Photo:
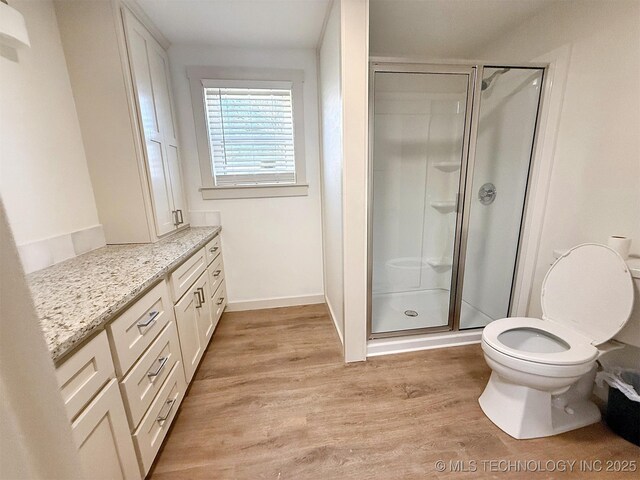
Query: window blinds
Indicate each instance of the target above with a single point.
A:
(250, 135)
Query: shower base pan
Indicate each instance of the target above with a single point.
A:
(393, 312)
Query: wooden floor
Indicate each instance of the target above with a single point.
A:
(272, 399)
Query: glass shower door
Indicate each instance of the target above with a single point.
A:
(509, 103)
(419, 125)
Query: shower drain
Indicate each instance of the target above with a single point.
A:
(411, 313)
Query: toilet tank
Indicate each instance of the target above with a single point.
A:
(630, 334)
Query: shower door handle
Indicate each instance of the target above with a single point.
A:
(487, 193)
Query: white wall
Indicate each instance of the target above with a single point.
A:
(272, 246)
(595, 182)
(331, 166)
(35, 434)
(44, 179)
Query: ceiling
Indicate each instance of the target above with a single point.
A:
(432, 28)
(443, 28)
(239, 23)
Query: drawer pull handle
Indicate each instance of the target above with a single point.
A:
(198, 300)
(217, 273)
(201, 293)
(163, 361)
(162, 418)
(153, 316)
(180, 217)
(221, 301)
(214, 249)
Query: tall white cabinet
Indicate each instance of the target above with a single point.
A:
(119, 74)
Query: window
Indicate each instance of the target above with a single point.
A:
(250, 132)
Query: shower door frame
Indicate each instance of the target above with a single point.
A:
(468, 194)
(465, 194)
(471, 71)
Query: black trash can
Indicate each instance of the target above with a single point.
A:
(623, 414)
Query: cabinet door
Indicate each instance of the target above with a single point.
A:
(188, 319)
(165, 99)
(206, 319)
(101, 433)
(150, 84)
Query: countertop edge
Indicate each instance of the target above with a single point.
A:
(70, 345)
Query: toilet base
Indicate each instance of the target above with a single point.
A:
(525, 412)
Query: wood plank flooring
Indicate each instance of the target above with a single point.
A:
(272, 399)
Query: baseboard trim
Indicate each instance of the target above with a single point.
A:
(413, 343)
(274, 303)
(333, 318)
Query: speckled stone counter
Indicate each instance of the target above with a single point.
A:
(78, 297)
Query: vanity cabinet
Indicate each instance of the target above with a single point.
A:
(119, 74)
(122, 389)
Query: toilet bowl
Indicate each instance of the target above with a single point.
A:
(543, 369)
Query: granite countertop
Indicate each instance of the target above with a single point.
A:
(80, 296)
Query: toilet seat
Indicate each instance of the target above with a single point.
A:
(587, 297)
(579, 349)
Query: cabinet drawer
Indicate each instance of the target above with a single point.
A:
(212, 249)
(219, 302)
(187, 273)
(156, 422)
(133, 331)
(144, 380)
(84, 374)
(216, 273)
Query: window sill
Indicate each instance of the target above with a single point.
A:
(255, 191)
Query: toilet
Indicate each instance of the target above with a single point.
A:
(543, 369)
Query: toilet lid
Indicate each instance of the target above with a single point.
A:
(590, 290)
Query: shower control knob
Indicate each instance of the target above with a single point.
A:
(487, 193)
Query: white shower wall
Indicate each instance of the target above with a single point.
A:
(417, 154)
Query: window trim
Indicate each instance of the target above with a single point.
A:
(199, 77)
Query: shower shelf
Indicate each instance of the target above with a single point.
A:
(439, 263)
(447, 166)
(444, 206)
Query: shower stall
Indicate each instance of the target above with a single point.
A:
(450, 156)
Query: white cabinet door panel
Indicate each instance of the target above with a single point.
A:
(187, 315)
(160, 194)
(149, 70)
(101, 433)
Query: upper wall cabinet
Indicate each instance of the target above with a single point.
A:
(119, 74)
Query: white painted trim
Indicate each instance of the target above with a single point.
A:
(275, 302)
(198, 74)
(413, 343)
(255, 191)
(333, 319)
(552, 100)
